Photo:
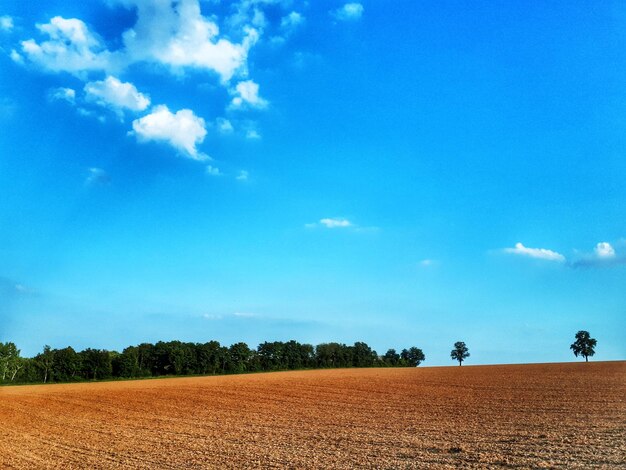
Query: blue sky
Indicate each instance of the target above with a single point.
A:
(400, 173)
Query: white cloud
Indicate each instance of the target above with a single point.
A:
(6, 23)
(176, 34)
(428, 262)
(213, 171)
(97, 176)
(211, 316)
(604, 256)
(16, 57)
(183, 130)
(335, 223)
(242, 176)
(224, 126)
(252, 134)
(539, 253)
(119, 95)
(247, 93)
(291, 21)
(63, 94)
(244, 314)
(349, 12)
(604, 250)
(71, 47)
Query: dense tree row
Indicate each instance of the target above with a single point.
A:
(178, 358)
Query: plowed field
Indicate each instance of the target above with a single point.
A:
(544, 415)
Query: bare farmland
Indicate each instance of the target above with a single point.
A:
(541, 415)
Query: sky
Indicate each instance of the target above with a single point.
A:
(401, 173)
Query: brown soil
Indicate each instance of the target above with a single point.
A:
(541, 415)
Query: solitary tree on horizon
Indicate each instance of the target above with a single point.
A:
(584, 345)
(460, 352)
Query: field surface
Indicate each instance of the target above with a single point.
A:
(526, 416)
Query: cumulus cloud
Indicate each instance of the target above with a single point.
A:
(6, 23)
(97, 177)
(71, 47)
(111, 92)
(349, 12)
(176, 37)
(63, 94)
(242, 176)
(182, 130)
(247, 94)
(173, 34)
(604, 255)
(604, 250)
(176, 34)
(539, 253)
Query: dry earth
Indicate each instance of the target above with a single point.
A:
(529, 416)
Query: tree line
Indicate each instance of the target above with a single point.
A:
(181, 358)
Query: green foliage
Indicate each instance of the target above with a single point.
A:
(10, 362)
(413, 357)
(460, 352)
(180, 358)
(66, 365)
(584, 345)
(391, 358)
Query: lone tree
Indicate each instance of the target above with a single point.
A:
(583, 345)
(460, 352)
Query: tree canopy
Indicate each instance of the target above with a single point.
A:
(584, 345)
(181, 358)
(460, 352)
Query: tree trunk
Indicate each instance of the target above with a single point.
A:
(586, 358)
(17, 368)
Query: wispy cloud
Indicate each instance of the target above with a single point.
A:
(182, 130)
(97, 177)
(538, 253)
(218, 316)
(331, 222)
(242, 175)
(291, 21)
(348, 12)
(335, 223)
(253, 134)
(6, 23)
(212, 170)
(12, 288)
(224, 126)
(603, 255)
(62, 94)
(427, 263)
(244, 314)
